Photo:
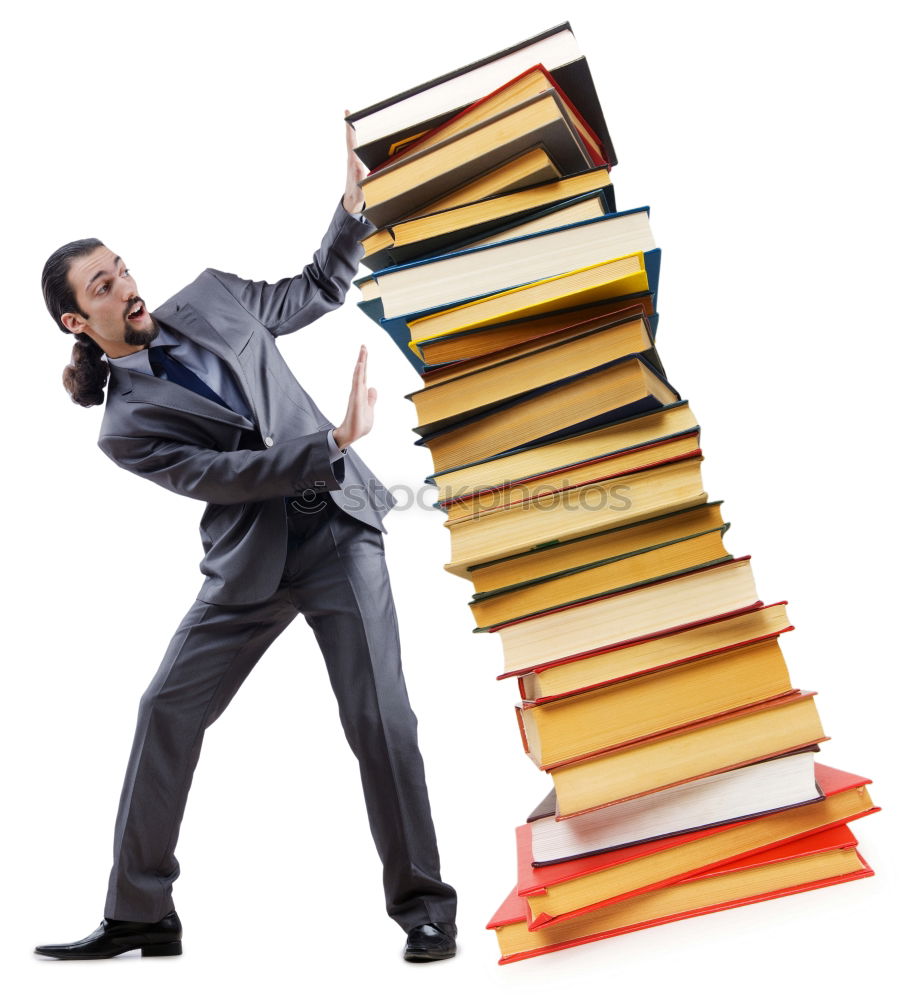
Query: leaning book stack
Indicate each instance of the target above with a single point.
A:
(653, 688)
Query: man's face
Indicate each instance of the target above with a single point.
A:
(107, 296)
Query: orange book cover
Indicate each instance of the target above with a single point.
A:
(514, 908)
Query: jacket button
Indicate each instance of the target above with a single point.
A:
(268, 441)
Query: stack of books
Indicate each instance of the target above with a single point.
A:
(653, 688)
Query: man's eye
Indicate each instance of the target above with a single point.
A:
(103, 288)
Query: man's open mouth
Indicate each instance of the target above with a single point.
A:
(137, 312)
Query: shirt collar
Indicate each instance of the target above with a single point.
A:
(140, 361)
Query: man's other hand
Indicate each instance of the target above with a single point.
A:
(358, 419)
(353, 199)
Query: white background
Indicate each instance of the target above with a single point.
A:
(777, 146)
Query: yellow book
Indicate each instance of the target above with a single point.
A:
(621, 436)
(604, 576)
(631, 658)
(654, 703)
(532, 167)
(473, 346)
(400, 189)
(452, 400)
(776, 727)
(592, 626)
(608, 280)
(597, 395)
(498, 534)
(619, 541)
(681, 446)
(486, 210)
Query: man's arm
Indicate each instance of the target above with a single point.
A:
(304, 464)
(286, 469)
(288, 305)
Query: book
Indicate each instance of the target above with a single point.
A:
(813, 862)
(590, 626)
(442, 350)
(585, 208)
(556, 893)
(519, 465)
(742, 793)
(389, 125)
(603, 576)
(520, 527)
(750, 734)
(622, 540)
(652, 704)
(426, 235)
(625, 463)
(532, 166)
(628, 275)
(436, 375)
(466, 395)
(404, 186)
(660, 651)
(574, 402)
(531, 82)
(442, 281)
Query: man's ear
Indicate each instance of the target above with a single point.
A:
(74, 322)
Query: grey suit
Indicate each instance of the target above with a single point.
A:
(265, 562)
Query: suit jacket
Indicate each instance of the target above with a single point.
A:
(243, 469)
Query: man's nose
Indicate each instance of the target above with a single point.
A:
(129, 288)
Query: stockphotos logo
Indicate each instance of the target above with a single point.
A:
(476, 499)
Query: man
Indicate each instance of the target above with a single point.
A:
(200, 401)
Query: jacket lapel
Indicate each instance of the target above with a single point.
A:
(142, 388)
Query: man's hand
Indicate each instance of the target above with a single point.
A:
(353, 198)
(358, 419)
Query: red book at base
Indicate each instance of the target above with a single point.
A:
(823, 859)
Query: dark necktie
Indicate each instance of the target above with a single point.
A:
(163, 363)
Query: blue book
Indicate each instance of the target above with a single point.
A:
(440, 282)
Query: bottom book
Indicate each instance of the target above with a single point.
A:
(813, 862)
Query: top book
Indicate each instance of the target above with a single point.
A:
(385, 128)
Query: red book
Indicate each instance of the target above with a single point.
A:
(559, 892)
(590, 139)
(822, 859)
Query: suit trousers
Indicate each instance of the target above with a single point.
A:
(335, 575)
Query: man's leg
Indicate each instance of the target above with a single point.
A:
(212, 652)
(339, 581)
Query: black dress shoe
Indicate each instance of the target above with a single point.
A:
(430, 943)
(113, 937)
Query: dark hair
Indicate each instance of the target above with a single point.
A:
(86, 376)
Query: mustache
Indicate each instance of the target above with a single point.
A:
(133, 305)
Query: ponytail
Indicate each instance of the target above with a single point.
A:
(86, 376)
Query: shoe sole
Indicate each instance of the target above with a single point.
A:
(167, 950)
(426, 956)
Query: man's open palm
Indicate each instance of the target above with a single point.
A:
(359, 414)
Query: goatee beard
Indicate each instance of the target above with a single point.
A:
(141, 338)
